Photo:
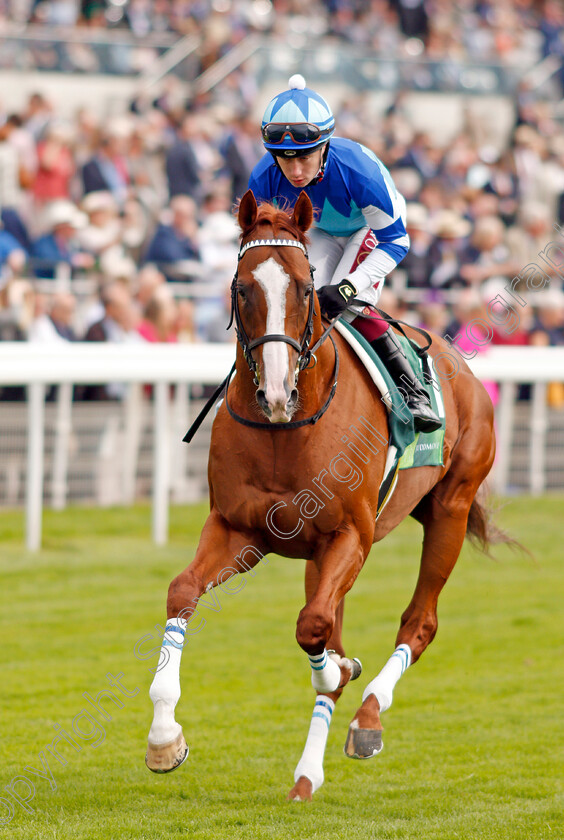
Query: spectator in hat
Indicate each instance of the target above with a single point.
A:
(102, 228)
(59, 244)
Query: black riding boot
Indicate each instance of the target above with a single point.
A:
(416, 398)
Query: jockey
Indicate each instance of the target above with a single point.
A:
(359, 235)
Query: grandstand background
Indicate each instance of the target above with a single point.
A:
(127, 132)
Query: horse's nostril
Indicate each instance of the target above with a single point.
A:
(293, 398)
(261, 399)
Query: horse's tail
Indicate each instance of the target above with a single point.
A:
(482, 530)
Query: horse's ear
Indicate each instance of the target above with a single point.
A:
(303, 212)
(247, 214)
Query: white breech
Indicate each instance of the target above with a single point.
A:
(383, 685)
(165, 688)
(333, 258)
(310, 764)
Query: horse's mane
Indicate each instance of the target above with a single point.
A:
(279, 219)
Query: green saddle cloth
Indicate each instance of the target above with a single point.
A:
(414, 449)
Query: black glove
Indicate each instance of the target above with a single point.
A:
(335, 299)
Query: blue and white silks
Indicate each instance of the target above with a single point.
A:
(356, 192)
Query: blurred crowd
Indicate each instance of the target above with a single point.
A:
(514, 34)
(517, 32)
(123, 230)
(140, 205)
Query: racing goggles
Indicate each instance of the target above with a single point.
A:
(300, 133)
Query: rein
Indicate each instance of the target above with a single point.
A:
(399, 325)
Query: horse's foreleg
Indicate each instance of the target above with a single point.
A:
(167, 748)
(308, 776)
(338, 563)
(221, 554)
(444, 534)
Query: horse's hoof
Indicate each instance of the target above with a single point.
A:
(363, 743)
(356, 669)
(302, 790)
(351, 669)
(167, 757)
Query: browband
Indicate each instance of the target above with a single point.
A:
(256, 243)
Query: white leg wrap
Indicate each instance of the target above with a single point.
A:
(165, 688)
(325, 673)
(310, 764)
(383, 685)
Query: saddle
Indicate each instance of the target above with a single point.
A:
(407, 448)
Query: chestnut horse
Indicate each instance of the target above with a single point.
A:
(270, 441)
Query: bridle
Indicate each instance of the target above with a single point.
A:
(302, 346)
(306, 354)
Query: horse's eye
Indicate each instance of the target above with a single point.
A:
(308, 291)
(241, 292)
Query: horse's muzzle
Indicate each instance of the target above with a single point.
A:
(278, 411)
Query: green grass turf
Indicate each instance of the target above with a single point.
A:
(473, 742)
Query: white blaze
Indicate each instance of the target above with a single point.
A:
(274, 282)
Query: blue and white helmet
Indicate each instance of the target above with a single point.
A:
(296, 121)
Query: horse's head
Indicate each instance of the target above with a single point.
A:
(273, 300)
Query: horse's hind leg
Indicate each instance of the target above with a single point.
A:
(444, 515)
(222, 552)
